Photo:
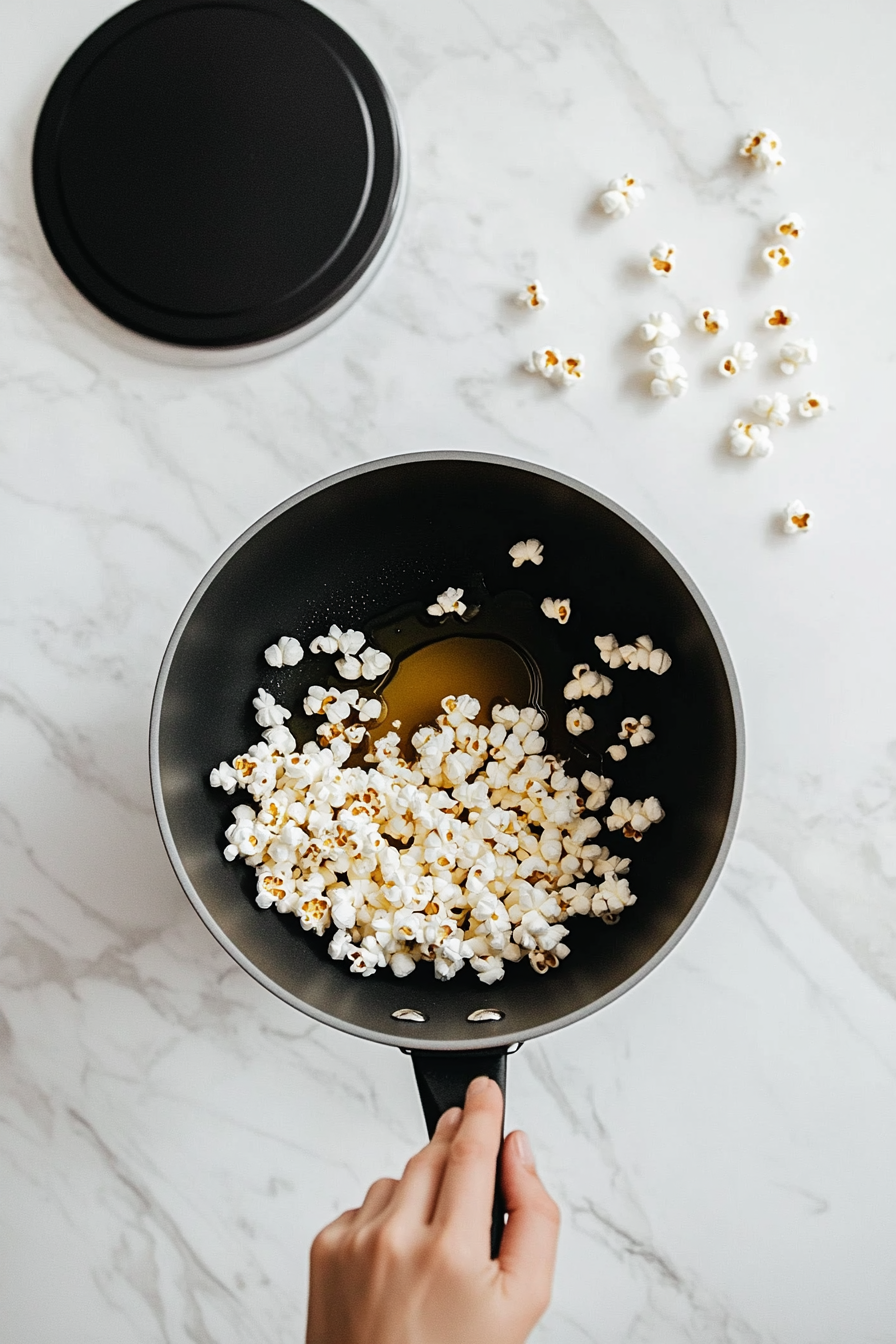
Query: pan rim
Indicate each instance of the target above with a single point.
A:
(318, 1014)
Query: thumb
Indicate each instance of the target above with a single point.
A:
(529, 1244)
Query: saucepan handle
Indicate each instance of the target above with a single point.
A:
(442, 1081)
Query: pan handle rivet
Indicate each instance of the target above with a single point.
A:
(409, 1015)
(485, 1015)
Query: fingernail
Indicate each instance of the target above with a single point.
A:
(478, 1085)
(449, 1120)
(524, 1147)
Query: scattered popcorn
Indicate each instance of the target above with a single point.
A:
(526, 550)
(268, 713)
(750, 440)
(797, 518)
(285, 653)
(621, 196)
(224, 777)
(773, 318)
(324, 644)
(636, 732)
(813, 404)
(374, 664)
(775, 409)
(557, 609)
(533, 296)
(711, 320)
(743, 356)
(634, 819)
(572, 370)
(669, 378)
(447, 602)
(545, 361)
(349, 667)
(763, 149)
(777, 258)
(617, 752)
(600, 788)
(585, 682)
(791, 226)
(659, 328)
(661, 259)
(578, 722)
(641, 654)
(796, 353)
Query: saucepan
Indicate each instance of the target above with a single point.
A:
(371, 548)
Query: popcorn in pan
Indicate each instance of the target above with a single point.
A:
(530, 550)
(557, 609)
(447, 602)
(586, 682)
(578, 722)
(287, 652)
(636, 732)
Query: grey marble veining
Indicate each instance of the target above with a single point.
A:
(720, 1139)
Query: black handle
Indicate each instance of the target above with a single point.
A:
(442, 1081)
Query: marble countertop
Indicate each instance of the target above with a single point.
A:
(721, 1138)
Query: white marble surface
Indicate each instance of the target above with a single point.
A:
(721, 1139)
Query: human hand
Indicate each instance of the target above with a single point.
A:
(413, 1264)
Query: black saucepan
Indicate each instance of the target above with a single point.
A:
(371, 548)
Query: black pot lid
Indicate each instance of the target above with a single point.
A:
(216, 173)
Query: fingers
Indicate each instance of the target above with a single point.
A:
(418, 1189)
(468, 1184)
(377, 1200)
(529, 1244)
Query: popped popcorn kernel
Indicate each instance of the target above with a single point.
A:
(790, 226)
(546, 361)
(623, 194)
(572, 370)
(661, 259)
(669, 378)
(743, 356)
(763, 149)
(712, 321)
(585, 682)
(777, 258)
(797, 518)
(659, 328)
(778, 318)
(268, 713)
(578, 722)
(812, 405)
(557, 609)
(746, 439)
(447, 602)
(532, 296)
(522, 551)
(287, 652)
(636, 732)
(775, 409)
(795, 353)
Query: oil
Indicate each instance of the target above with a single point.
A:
(492, 670)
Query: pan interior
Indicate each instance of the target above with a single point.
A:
(372, 551)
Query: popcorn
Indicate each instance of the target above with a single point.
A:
(447, 602)
(546, 361)
(285, 653)
(348, 642)
(533, 296)
(578, 722)
(349, 667)
(711, 320)
(669, 379)
(572, 370)
(813, 404)
(323, 644)
(749, 440)
(374, 664)
(557, 609)
(522, 551)
(763, 149)
(641, 654)
(797, 518)
(617, 752)
(776, 258)
(774, 318)
(659, 328)
(634, 819)
(790, 226)
(775, 409)
(796, 353)
(661, 259)
(622, 195)
(636, 732)
(743, 356)
(268, 713)
(585, 682)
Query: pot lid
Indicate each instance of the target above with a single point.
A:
(216, 173)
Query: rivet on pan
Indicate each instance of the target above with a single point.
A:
(410, 1015)
(485, 1015)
